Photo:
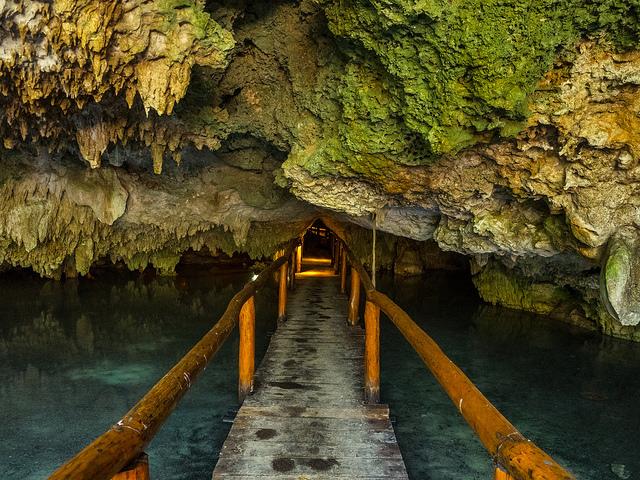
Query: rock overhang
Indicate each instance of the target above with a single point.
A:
(256, 115)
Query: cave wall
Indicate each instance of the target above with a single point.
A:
(502, 131)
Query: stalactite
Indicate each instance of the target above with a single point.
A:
(56, 58)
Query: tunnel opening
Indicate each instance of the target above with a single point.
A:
(317, 243)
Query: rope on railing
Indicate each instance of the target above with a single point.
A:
(127, 439)
(510, 450)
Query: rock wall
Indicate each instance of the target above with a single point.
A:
(505, 132)
(57, 219)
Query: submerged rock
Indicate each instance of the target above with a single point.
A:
(621, 471)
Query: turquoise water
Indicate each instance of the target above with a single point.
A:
(75, 356)
(572, 392)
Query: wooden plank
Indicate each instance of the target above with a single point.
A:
(304, 397)
(308, 372)
(373, 412)
(297, 477)
(247, 448)
(298, 382)
(264, 465)
(306, 417)
(319, 424)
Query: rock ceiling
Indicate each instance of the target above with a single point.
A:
(135, 130)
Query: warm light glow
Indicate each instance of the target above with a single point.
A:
(316, 260)
(328, 272)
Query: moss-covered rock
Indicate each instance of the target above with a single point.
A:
(620, 277)
(506, 131)
(456, 72)
(497, 286)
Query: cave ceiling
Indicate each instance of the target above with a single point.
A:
(504, 131)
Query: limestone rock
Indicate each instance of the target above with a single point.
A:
(230, 125)
(64, 64)
(620, 277)
(99, 190)
(72, 214)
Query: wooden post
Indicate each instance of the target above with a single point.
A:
(298, 265)
(336, 264)
(292, 271)
(247, 350)
(372, 353)
(137, 470)
(502, 474)
(354, 297)
(332, 241)
(343, 271)
(282, 294)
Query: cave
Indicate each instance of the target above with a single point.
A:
(392, 190)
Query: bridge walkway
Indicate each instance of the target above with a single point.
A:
(306, 418)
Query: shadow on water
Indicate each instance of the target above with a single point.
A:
(572, 392)
(75, 356)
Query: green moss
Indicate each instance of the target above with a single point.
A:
(454, 72)
(615, 277)
(165, 262)
(369, 138)
(203, 28)
(498, 286)
(617, 266)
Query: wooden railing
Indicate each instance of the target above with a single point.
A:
(514, 456)
(119, 452)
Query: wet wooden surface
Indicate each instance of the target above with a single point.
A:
(306, 418)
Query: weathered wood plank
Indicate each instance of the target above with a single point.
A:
(275, 449)
(297, 477)
(353, 466)
(373, 412)
(307, 417)
(304, 398)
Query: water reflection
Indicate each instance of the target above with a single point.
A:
(571, 391)
(74, 356)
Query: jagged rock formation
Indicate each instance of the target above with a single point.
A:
(71, 68)
(59, 219)
(505, 132)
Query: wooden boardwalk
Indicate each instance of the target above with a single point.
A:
(306, 418)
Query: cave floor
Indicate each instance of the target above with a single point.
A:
(306, 417)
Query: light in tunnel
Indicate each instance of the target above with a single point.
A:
(317, 260)
(317, 273)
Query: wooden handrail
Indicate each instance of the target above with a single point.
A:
(127, 439)
(519, 457)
